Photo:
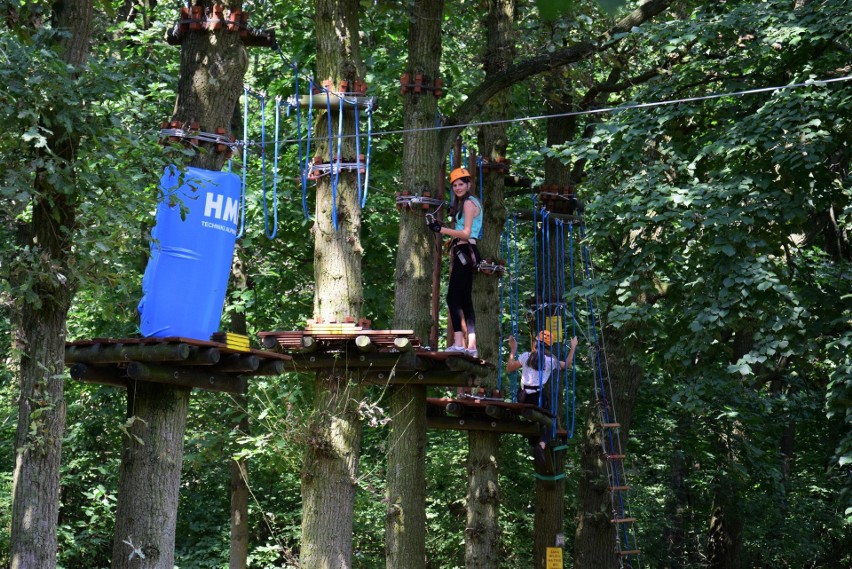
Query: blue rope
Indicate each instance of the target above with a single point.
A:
(546, 292)
(369, 144)
(504, 245)
(515, 298)
(307, 148)
(359, 197)
(271, 234)
(335, 174)
(245, 164)
(573, 333)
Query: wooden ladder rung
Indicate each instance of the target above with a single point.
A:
(629, 552)
(619, 488)
(622, 520)
(610, 425)
(614, 456)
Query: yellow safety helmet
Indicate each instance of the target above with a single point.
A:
(459, 173)
(545, 337)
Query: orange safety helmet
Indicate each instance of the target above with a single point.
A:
(545, 337)
(459, 173)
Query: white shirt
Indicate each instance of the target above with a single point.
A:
(530, 376)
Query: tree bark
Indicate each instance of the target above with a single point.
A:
(549, 522)
(149, 481)
(213, 64)
(333, 450)
(595, 544)
(482, 535)
(405, 522)
(40, 329)
(482, 532)
(239, 467)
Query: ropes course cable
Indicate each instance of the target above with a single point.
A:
(605, 110)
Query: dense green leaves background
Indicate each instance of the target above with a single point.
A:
(719, 229)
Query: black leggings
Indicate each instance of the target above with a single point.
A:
(460, 289)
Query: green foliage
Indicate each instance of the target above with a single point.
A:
(719, 231)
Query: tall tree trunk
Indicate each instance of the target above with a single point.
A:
(149, 481)
(594, 544)
(482, 534)
(331, 457)
(213, 64)
(549, 519)
(239, 500)
(40, 334)
(405, 525)
(549, 522)
(239, 467)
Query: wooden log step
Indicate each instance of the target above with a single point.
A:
(466, 424)
(535, 416)
(97, 374)
(235, 363)
(610, 425)
(629, 552)
(614, 456)
(622, 520)
(454, 409)
(119, 353)
(618, 488)
(200, 377)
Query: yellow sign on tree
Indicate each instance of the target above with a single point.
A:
(554, 558)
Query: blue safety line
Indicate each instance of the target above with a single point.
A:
(515, 298)
(339, 160)
(242, 229)
(271, 234)
(573, 333)
(330, 143)
(369, 145)
(359, 198)
(303, 162)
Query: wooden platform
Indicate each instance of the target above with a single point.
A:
(175, 361)
(381, 357)
(487, 414)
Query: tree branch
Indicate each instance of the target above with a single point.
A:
(518, 72)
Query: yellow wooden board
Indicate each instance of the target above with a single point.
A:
(554, 558)
(554, 325)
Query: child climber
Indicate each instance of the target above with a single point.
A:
(536, 369)
(465, 256)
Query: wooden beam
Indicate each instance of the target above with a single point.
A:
(535, 416)
(466, 424)
(403, 344)
(495, 412)
(309, 344)
(462, 364)
(98, 374)
(202, 356)
(188, 377)
(407, 377)
(454, 409)
(238, 363)
(405, 361)
(365, 344)
(120, 353)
